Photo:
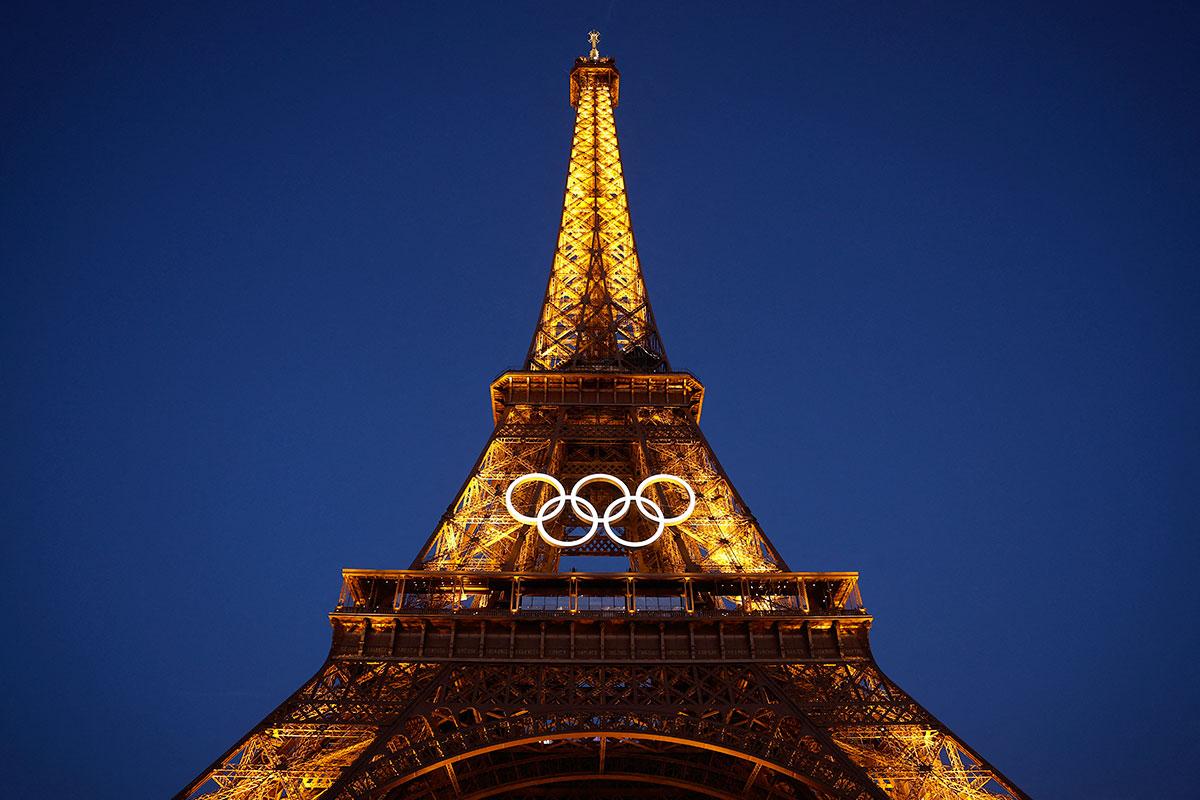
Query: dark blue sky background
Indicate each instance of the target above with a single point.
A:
(937, 266)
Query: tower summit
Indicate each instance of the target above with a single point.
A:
(596, 315)
(597, 613)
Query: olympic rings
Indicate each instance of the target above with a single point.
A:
(586, 512)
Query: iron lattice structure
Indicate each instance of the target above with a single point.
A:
(701, 667)
(596, 315)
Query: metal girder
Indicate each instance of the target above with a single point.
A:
(596, 314)
(477, 532)
(722, 709)
(302, 747)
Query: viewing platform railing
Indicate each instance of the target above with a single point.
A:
(421, 592)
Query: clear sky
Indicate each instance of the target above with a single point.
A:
(937, 265)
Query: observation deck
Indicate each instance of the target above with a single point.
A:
(601, 71)
(641, 390)
(423, 615)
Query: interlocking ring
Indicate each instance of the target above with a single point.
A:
(587, 512)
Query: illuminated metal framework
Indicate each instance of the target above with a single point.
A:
(596, 315)
(698, 666)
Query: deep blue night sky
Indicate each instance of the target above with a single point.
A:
(937, 266)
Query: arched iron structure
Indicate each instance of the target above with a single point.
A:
(700, 667)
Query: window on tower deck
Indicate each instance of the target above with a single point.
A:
(545, 602)
(611, 602)
(660, 603)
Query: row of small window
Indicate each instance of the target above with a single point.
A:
(599, 603)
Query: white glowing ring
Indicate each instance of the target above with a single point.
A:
(587, 512)
(626, 502)
(552, 508)
(533, 477)
(657, 517)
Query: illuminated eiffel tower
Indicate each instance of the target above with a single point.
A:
(564, 634)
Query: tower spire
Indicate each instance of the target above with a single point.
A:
(596, 315)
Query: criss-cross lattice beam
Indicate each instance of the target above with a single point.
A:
(903, 747)
(476, 532)
(725, 709)
(721, 535)
(596, 314)
(302, 747)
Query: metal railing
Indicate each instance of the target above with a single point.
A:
(604, 594)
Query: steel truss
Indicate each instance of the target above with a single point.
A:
(444, 702)
(570, 441)
(596, 314)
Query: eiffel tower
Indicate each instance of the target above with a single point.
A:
(601, 640)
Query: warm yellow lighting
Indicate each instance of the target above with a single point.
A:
(595, 309)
